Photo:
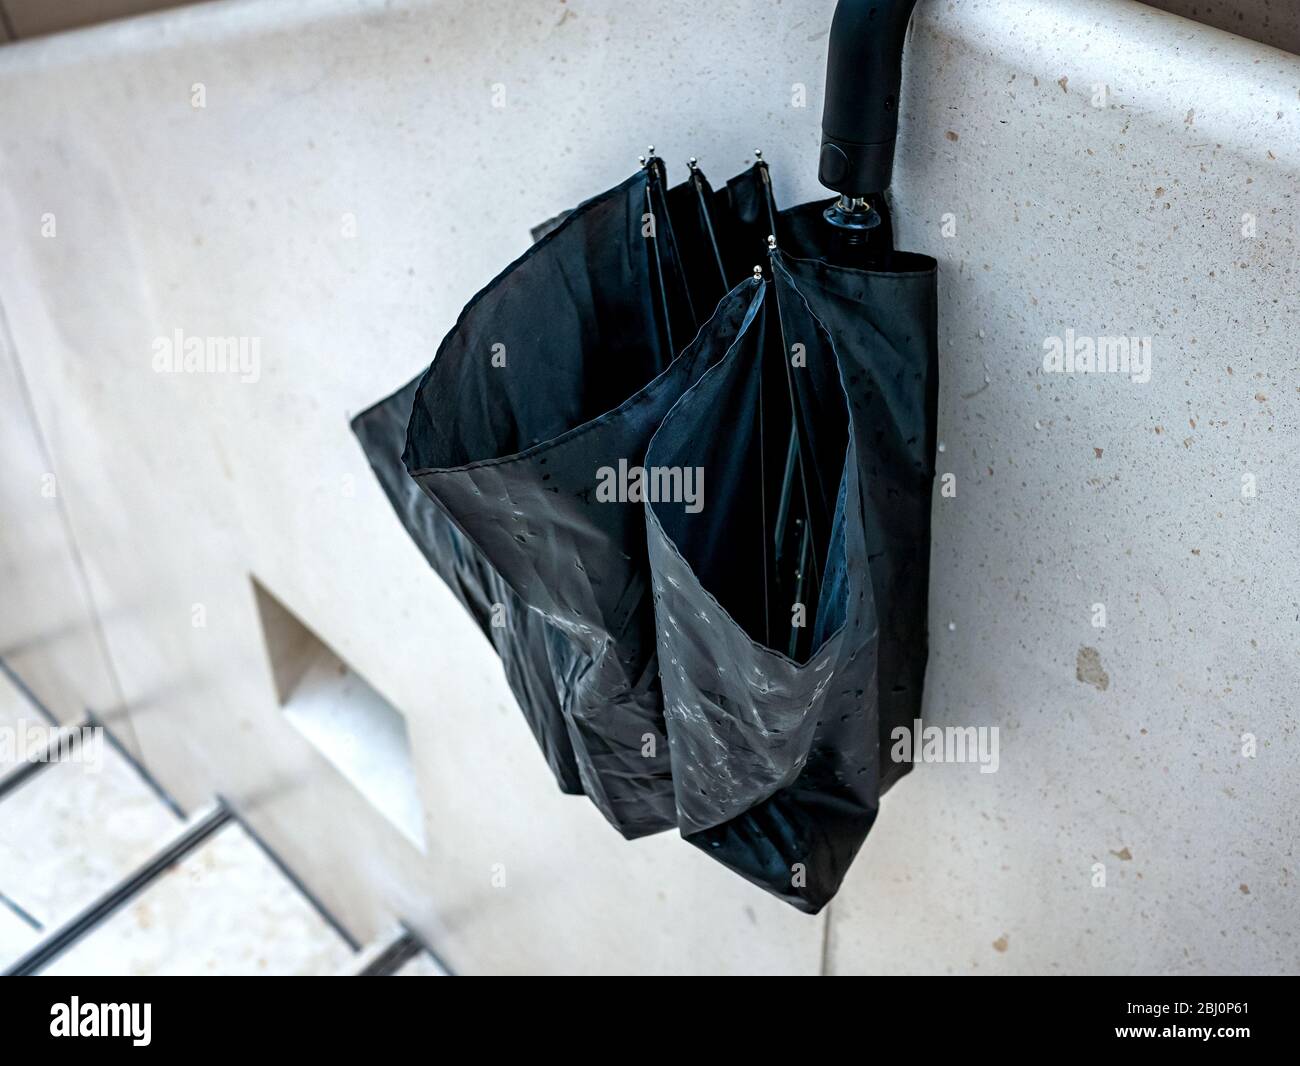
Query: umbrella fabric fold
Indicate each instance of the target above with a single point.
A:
(726, 655)
(778, 763)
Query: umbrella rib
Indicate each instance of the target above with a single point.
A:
(762, 439)
(677, 252)
(659, 269)
(762, 498)
(696, 179)
(807, 548)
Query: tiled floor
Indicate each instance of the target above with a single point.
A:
(224, 910)
(78, 827)
(72, 831)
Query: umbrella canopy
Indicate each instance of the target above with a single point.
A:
(676, 461)
(657, 646)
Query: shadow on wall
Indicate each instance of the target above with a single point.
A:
(20, 19)
(1272, 22)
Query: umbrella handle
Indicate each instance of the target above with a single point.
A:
(864, 71)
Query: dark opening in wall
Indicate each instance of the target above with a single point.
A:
(335, 709)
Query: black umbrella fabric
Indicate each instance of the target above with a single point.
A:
(688, 503)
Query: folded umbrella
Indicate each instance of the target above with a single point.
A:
(687, 499)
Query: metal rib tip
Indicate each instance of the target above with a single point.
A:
(771, 243)
(641, 159)
(693, 163)
(758, 272)
(758, 154)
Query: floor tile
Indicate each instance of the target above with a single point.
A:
(225, 910)
(73, 831)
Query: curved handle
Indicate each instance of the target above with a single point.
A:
(864, 69)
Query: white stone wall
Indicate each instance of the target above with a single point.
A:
(231, 219)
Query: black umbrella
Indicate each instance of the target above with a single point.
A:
(687, 497)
